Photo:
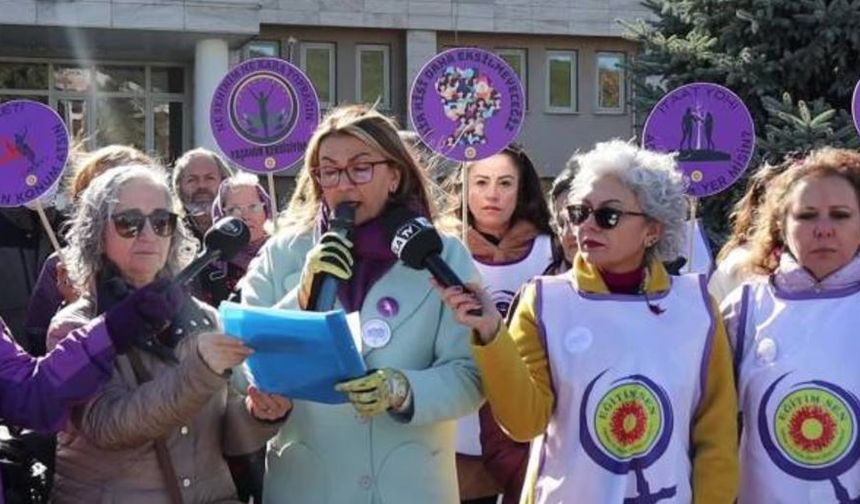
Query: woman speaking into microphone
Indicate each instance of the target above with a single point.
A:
(395, 442)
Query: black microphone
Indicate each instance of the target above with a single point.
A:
(324, 294)
(417, 243)
(221, 242)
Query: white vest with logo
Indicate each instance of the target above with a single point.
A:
(798, 386)
(627, 386)
(503, 281)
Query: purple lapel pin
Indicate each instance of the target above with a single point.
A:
(388, 307)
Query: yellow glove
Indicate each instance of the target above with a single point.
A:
(331, 255)
(378, 391)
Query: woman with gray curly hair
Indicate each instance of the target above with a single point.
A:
(158, 430)
(626, 372)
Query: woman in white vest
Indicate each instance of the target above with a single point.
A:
(795, 338)
(510, 238)
(625, 372)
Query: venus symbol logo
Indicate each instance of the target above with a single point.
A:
(812, 433)
(632, 425)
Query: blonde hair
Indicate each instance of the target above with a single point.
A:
(744, 213)
(89, 165)
(768, 238)
(376, 131)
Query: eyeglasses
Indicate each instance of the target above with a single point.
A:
(239, 210)
(130, 223)
(605, 217)
(358, 173)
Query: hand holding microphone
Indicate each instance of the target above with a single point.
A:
(328, 263)
(466, 303)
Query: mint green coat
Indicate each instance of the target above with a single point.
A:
(326, 454)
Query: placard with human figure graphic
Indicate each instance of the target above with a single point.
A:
(467, 104)
(34, 147)
(263, 114)
(711, 130)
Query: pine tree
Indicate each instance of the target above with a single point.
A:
(793, 62)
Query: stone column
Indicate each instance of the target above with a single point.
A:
(211, 58)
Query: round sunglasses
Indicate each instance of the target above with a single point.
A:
(605, 217)
(130, 223)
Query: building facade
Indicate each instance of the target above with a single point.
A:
(142, 72)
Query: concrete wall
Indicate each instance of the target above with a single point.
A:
(223, 16)
(560, 17)
(345, 63)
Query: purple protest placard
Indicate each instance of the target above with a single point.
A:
(467, 104)
(34, 147)
(711, 130)
(263, 113)
(855, 106)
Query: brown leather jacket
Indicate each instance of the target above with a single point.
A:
(106, 453)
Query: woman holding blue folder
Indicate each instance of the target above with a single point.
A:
(395, 442)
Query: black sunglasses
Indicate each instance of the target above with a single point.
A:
(605, 217)
(130, 223)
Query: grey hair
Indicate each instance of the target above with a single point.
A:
(653, 178)
(85, 255)
(182, 163)
(240, 179)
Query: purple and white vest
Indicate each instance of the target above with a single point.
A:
(627, 386)
(798, 383)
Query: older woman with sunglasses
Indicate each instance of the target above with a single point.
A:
(158, 430)
(395, 442)
(626, 373)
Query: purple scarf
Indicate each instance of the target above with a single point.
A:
(373, 258)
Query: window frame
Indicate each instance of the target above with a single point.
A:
(332, 67)
(573, 56)
(622, 83)
(385, 102)
(524, 78)
(246, 49)
(92, 96)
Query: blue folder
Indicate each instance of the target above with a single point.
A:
(298, 354)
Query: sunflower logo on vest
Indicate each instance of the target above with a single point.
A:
(264, 108)
(811, 433)
(630, 429)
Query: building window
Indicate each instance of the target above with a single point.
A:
(139, 105)
(317, 60)
(518, 60)
(561, 81)
(261, 49)
(373, 79)
(610, 82)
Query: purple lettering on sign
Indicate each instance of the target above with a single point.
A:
(34, 147)
(263, 114)
(710, 129)
(467, 104)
